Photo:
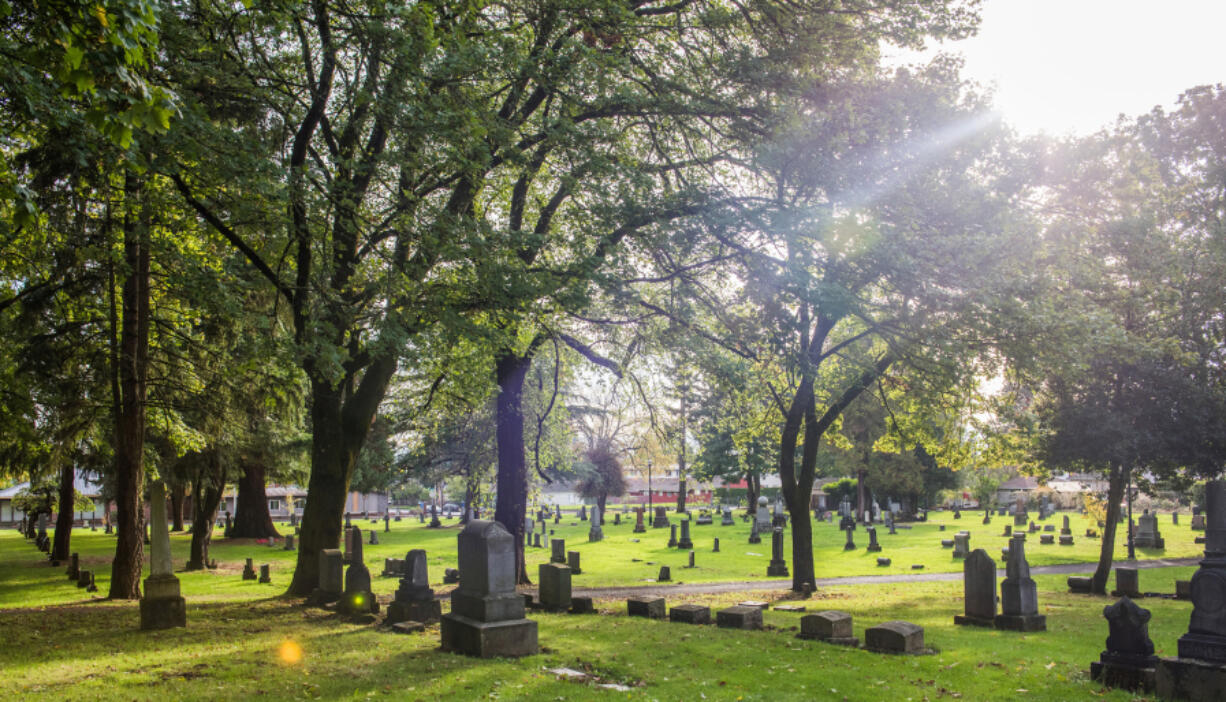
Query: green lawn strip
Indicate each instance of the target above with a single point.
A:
(617, 561)
(230, 650)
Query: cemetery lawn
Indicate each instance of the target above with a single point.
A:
(617, 561)
(264, 646)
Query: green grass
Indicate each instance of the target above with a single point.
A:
(60, 643)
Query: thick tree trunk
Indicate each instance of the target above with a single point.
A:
(862, 500)
(130, 421)
(252, 520)
(601, 500)
(754, 483)
(1117, 480)
(63, 519)
(206, 498)
(177, 493)
(510, 371)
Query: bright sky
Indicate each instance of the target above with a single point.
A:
(1072, 66)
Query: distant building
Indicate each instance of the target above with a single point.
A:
(9, 515)
(283, 498)
(1009, 490)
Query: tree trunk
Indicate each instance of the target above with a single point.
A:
(510, 371)
(133, 362)
(206, 498)
(601, 499)
(1117, 480)
(252, 519)
(63, 520)
(753, 483)
(862, 501)
(681, 462)
(177, 493)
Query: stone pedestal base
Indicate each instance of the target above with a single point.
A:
(873, 548)
(318, 597)
(510, 639)
(1138, 674)
(1189, 679)
(777, 569)
(424, 611)
(1021, 622)
(357, 603)
(1145, 542)
(965, 620)
(162, 607)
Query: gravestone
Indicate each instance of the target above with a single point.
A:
(1020, 518)
(685, 542)
(249, 569)
(289, 543)
(1175, 518)
(85, 579)
(582, 605)
(583, 513)
(595, 532)
(778, 566)
(617, 519)
(1008, 531)
(1080, 585)
(895, 637)
(1066, 540)
(374, 538)
(572, 561)
(883, 561)
(940, 527)
(487, 615)
(348, 523)
(957, 513)
(779, 518)
(978, 590)
(331, 577)
(1019, 598)
(451, 576)
(1198, 522)
(1199, 672)
(161, 607)
(762, 517)
(265, 573)
(1047, 539)
(690, 614)
(716, 548)
(691, 563)
(639, 526)
(754, 537)
(666, 575)
(962, 544)
(1129, 661)
(987, 516)
(536, 539)
(1148, 535)
(1183, 589)
(554, 582)
(434, 522)
(650, 607)
(850, 545)
(414, 599)
(558, 555)
(1049, 527)
(1034, 527)
(829, 626)
(1066, 530)
(726, 519)
(739, 617)
(660, 519)
(387, 522)
(74, 566)
(873, 546)
(1127, 583)
(672, 536)
(947, 543)
(392, 567)
(704, 518)
(357, 598)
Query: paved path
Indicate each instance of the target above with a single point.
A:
(783, 586)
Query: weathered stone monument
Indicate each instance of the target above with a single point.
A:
(594, 532)
(754, 536)
(987, 516)
(690, 614)
(162, 607)
(331, 577)
(672, 536)
(558, 552)
(583, 513)
(1127, 583)
(726, 518)
(665, 575)
(357, 598)
(1148, 535)
(739, 617)
(74, 566)
(572, 562)
(1129, 661)
(639, 526)
(829, 626)
(434, 522)
(979, 590)
(660, 519)
(778, 566)
(487, 615)
(1066, 530)
(1199, 672)
(685, 542)
(962, 544)
(1020, 518)
(762, 518)
(249, 569)
(895, 637)
(873, 546)
(265, 573)
(289, 543)
(414, 600)
(850, 545)
(1019, 599)
(554, 580)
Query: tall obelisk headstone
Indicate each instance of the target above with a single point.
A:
(162, 607)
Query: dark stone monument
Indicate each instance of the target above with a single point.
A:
(778, 566)
(1008, 531)
(739, 617)
(558, 554)
(639, 526)
(883, 561)
(357, 599)
(331, 577)
(617, 519)
(1019, 599)
(1047, 539)
(536, 539)
(754, 536)
(265, 573)
(249, 569)
(716, 549)
(873, 546)
(895, 637)
(289, 543)
(690, 614)
(979, 590)
(1020, 518)
(962, 544)
(572, 561)
(650, 607)
(1129, 661)
(595, 532)
(1080, 585)
(685, 542)
(830, 626)
(660, 520)
(1066, 530)
(582, 605)
(374, 538)
(1066, 540)
(451, 576)
(957, 513)
(672, 536)
(850, 545)
(583, 513)
(665, 575)
(74, 566)
(487, 615)
(1148, 535)
(554, 580)
(434, 522)
(726, 518)
(1127, 583)
(987, 516)
(414, 600)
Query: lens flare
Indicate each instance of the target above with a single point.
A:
(290, 653)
